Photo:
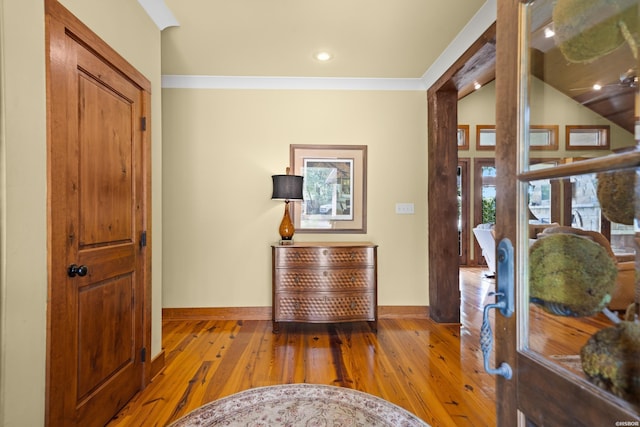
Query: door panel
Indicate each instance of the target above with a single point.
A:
(98, 209)
(105, 155)
(102, 350)
(576, 361)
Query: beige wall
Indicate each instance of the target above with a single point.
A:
(23, 251)
(221, 148)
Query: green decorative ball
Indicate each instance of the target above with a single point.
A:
(572, 272)
(611, 360)
(617, 196)
(589, 29)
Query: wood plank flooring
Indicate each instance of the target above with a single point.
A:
(432, 370)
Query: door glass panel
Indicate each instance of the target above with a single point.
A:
(585, 209)
(579, 286)
(488, 195)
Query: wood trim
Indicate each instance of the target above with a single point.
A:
(403, 312)
(94, 43)
(264, 313)
(604, 130)
(217, 313)
(457, 75)
(479, 129)
(465, 132)
(509, 66)
(147, 320)
(553, 137)
(465, 226)
(598, 164)
(478, 163)
(559, 385)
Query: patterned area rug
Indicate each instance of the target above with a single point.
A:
(300, 405)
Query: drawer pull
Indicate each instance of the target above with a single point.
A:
(352, 255)
(325, 252)
(352, 305)
(296, 305)
(296, 279)
(325, 273)
(353, 278)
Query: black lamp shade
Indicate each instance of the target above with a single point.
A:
(287, 187)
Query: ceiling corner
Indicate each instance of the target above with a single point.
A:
(159, 13)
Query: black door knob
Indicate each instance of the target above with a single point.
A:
(75, 270)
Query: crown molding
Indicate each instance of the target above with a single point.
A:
(483, 19)
(159, 13)
(291, 83)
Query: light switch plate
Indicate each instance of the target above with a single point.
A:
(404, 208)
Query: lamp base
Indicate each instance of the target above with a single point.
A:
(286, 226)
(286, 242)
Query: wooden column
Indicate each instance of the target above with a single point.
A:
(444, 291)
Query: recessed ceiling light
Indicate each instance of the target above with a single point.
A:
(597, 87)
(477, 85)
(323, 56)
(548, 32)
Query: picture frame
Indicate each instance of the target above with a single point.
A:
(463, 137)
(334, 188)
(587, 137)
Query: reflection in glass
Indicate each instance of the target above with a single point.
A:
(581, 271)
(579, 285)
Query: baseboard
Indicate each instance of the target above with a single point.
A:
(403, 312)
(264, 313)
(217, 313)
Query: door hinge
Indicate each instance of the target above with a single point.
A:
(143, 354)
(143, 123)
(143, 239)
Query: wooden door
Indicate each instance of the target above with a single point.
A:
(98, 184)
(560, 377)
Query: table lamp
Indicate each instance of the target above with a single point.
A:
(287, 187)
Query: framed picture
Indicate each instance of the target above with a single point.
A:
(463, 137)
(543, 137)
(590, 137)
(485, 137)
(334, 188)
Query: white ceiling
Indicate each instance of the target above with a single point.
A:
(371, 39)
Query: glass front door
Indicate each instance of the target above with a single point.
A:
(572, 213)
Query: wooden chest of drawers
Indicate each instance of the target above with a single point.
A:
(325, 282)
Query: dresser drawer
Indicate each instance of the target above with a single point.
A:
(323, 256)
(325, 279)
(323, 308)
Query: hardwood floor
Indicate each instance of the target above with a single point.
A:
(432, 370)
